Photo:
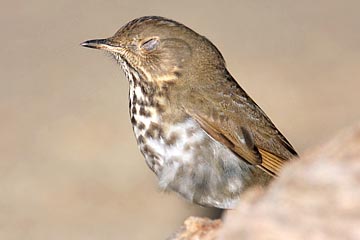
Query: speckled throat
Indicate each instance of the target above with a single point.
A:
(145, 110)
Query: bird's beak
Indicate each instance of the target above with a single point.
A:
(103, 44)
(96, 43)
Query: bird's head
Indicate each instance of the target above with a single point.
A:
(158, 49)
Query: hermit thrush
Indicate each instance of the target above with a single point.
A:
(198, 130)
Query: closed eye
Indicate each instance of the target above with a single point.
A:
(150, 44)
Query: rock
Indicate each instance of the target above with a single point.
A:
(315, 197)
(195, 228)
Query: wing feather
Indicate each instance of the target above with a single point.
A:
(232, 118)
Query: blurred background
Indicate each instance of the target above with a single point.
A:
(70, 167)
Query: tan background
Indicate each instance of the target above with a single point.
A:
(70, 168)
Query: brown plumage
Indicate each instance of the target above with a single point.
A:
(198, 130)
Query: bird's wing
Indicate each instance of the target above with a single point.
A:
(241, 142)
(246, 130)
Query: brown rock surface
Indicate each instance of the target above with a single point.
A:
(317, 197)
(195, 228)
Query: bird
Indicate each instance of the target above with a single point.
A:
(198, 130)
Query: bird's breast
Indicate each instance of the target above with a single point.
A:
(162, 140)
